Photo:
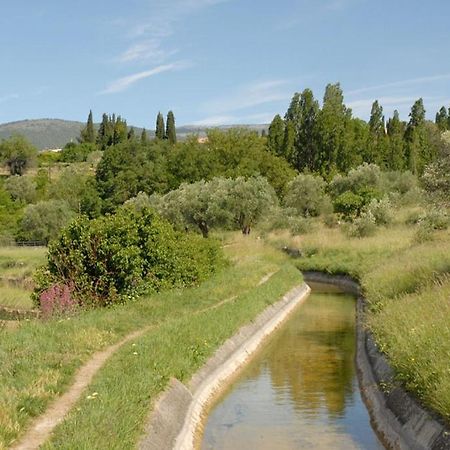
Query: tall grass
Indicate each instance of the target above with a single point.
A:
(408, 290)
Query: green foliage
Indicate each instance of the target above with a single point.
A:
(349, 204)
(275, 138)
(109, 259)
(219, 203)
(160, 129)
(306, 195)
(21, 189)
(43, 221)
(87, 134)
(17, 154)
(112, 131)
(362, 226)
(443, 119)
(129, 168)
(171, 133)
(10, 214)
(381, 210)
(77, 188)
(436, 179)
(73, 152)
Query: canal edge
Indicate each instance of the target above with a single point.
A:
(397, 417)
(179, 412)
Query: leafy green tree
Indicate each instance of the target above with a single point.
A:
(248, 200)
(436, 179)
(376, 144)
(128, 168)
(17, 154)
(88, 132)
(120, 130)
(395, 158)
(160, 131)
(21, 189)
(443, 119)
(306, 195)
(306, 145)
(289, 140)
(332, 125)
(73, 152)
(171, 133)
(275, 138)
(418, 151)
(43, 221)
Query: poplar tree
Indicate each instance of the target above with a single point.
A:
(275, 138)
(395, 157)
(443, 119)
(104, 135)
(88, 132)
(415, 138)
(159, 132)
(171, 133)
(306, 148)
(376, 143)
(131, 134)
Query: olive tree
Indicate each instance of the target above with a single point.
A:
(17, 154)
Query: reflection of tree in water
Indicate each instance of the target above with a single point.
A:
(312, 357)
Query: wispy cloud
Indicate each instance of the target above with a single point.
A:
(124, 83)
(400, 83)
(248, 96)
(146, 50)
(8, 97)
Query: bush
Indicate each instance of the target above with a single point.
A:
(43, 221)
(381, 211)
(21, 189)
(113, 258)
(435, 219)
(300, 225)
(362, 226)
(306, 195)
(366, 177)
(76, 152)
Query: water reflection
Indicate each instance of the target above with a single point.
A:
(300, 391)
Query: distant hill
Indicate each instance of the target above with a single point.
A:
(55, 133)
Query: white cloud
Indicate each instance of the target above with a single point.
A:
(248, 96)
(146, 50)
(124, 83)
(214, 121)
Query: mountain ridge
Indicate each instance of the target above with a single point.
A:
(48, 133)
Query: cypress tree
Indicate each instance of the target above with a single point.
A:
(275, 138)
(131, 134)
(159, 132)
(171, 133)
(88, 132)
(104, 134)
(144, 137)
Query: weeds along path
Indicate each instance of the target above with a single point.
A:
(41, 429)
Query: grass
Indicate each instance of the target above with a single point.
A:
(39, 359)
(17, 265)
(408, 290)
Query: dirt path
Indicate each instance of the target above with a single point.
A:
(42, 427)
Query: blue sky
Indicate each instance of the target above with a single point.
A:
(218, 61)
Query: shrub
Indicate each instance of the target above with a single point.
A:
(348, 204)
(113, 258)
(366, 177)
(435, 219)
(57, 300)
(300, 225)
(43, 221)
(306, 195)
(362, 226)
(21, 189)
(381, 211)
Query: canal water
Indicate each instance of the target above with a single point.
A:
(300, 391)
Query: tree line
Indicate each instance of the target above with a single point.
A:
(329, 140)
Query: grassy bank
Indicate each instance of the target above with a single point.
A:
(41, 357)
(408, 290)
